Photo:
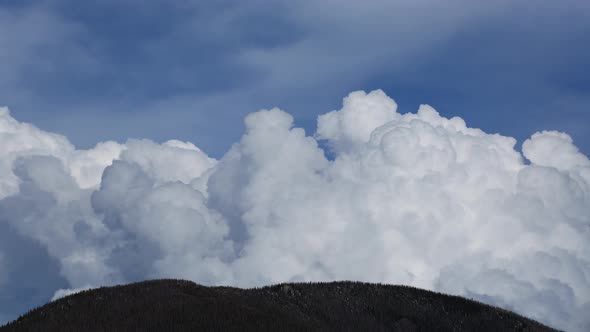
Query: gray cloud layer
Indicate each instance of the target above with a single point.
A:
(411, 198)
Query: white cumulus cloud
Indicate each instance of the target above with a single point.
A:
(411, 198)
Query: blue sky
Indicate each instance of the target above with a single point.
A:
(191, 70)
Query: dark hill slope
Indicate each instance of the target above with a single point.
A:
(175, 305)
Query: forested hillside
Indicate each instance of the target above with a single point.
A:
(177, 305)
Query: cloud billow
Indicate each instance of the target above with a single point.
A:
(411, 198)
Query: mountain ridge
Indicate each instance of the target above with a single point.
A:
(173, 304)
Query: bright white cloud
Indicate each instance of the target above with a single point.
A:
(554, 149)
(65, 292)
(410, 198)
(360, 115)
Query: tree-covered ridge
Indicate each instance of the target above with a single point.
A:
(178, 305)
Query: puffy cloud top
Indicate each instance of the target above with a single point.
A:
(360, 115)
(554, 149)
(411, 198)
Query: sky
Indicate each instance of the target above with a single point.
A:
(439, 145)
(192, 70)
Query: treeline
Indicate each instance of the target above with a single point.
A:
(178, 305)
